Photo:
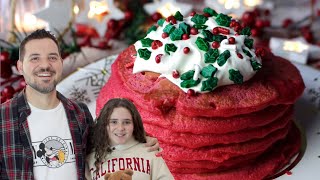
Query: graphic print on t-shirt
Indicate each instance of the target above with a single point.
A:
(53, 152)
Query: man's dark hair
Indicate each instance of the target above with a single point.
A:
(38, 34)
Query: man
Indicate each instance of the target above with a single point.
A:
(43, 134)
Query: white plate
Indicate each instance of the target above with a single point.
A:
(307, 115)
(85, 84)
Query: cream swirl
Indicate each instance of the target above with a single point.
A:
(197, 59)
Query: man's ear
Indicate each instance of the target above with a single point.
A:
(19, 66)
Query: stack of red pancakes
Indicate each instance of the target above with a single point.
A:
(243, 131)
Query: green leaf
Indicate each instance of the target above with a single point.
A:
(207, 35)
(185, 28)
(176, 34)
(146, 42)
(211, 56)
(223, 20)
(200, 26)
(246, 31)
(170, 48)
(178, 16)
(223, 57)
(187, 75)
(202, 44)
(152, 28)
(161, 21)
(208, 71)
(219, 38)
(209, 84)
(210, 11)
(169, 28)
(199, 19)
(189, 83)
(235, 76)
(249, 43)
(247, 53)
(255, 65)
(144, 53)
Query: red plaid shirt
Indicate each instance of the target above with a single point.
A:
(16, 158)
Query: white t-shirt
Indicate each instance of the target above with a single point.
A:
(52, 145)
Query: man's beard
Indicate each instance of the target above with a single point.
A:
(40, 88)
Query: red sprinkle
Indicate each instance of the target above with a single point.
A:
(239, 55)
(233, 23)
(175, 74)
(237, 28)
(156, 44)
(171, 19)
(206, 14)
(261, 52)
(193, 31)
(289, 173)
(223, 30)
(193, 13)
(186, 50)
(185, 36)
(143, 73)
(191, 92)
(129, 65)
(158, 58)
(215, 31)
(232, 40)
(164, 35)
(215, 45)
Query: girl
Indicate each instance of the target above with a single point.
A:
(117, 141)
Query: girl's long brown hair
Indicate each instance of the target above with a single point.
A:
(99, 138)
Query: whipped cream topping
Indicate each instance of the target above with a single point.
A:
(194, 56)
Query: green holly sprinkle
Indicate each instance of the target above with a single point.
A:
(160, 22)
(249, 43)
(207, 35)
(199, 19)
(146, 42)
(176, 34)
(187, 75)
(223, 57)
(144, 53)
(246, 31)
(211, 56)
(235, 76)
(170, 47)
(169, 28)
(189, 83)
(209, 84)
(152, 28)
(210, 11)
(202, 44)
(208, 71)
(255, 65)
(185, 28)
(223, 20)
(219, 38)
(178, 16)
(200, 26)
(247, 52)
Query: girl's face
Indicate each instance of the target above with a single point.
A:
(120, 127)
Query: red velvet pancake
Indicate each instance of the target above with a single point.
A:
(239, 131)
(263, 167)
(190, 140)
(278, 82)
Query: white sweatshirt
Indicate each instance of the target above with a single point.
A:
(134, 155)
